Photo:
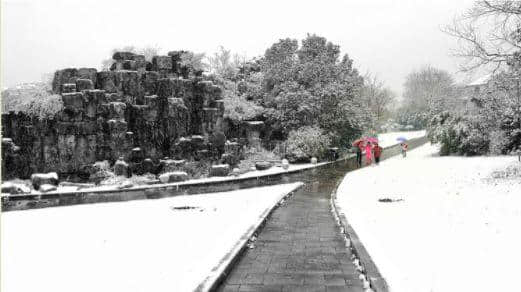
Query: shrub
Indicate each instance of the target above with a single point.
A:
(411, 120)
(498, 142)
(307, 142)
(511, 128)
(237, 108)
(459, 135)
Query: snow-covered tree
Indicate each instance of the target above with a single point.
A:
(377, 98)
(221, 63)
(427, 92)
(309, 85)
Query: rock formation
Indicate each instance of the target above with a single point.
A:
(140, 111)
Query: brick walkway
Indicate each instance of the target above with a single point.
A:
(300, 248)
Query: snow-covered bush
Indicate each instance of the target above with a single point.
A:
(237, 108)
(458, 135)
(411, 120)
(307, 142)
(474, 142)
(390, 126)
(498, 142)
(497, 110)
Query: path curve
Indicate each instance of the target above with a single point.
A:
(301, 247)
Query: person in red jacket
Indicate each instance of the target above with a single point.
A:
(377, 152)
(368, 153)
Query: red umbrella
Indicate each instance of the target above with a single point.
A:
(371, 139)
(357, 142)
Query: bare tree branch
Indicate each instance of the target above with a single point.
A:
(488, 34)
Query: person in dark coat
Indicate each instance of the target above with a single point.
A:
(377, 152)
(359, 146)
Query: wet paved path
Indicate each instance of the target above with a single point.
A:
(300, 248)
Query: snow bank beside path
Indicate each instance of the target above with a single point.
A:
(168, 244)
(453, 224)
(389, 139)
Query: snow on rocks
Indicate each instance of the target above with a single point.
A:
(285, 164)
(236, 172)
(45, 188)
(448, 220)
(14, 188)
(173, 176)
(142, 245)
(121, 168)
(125, 184)
(101, 165)
(39, 179)
(220, 170)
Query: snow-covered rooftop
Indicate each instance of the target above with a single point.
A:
(481, 80)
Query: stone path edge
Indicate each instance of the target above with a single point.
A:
(377, 282)
(226, 264)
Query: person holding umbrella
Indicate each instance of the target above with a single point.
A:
(403, 146)
(369, 149)
(359, 145)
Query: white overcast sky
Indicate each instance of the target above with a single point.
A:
(388, 38)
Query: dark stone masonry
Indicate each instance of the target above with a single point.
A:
(139, 111)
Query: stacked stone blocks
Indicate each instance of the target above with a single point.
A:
(159, 107)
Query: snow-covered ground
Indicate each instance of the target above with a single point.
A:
(389, 139)
(132, 246)
(453, 224)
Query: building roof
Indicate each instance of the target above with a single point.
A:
(481, 81)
